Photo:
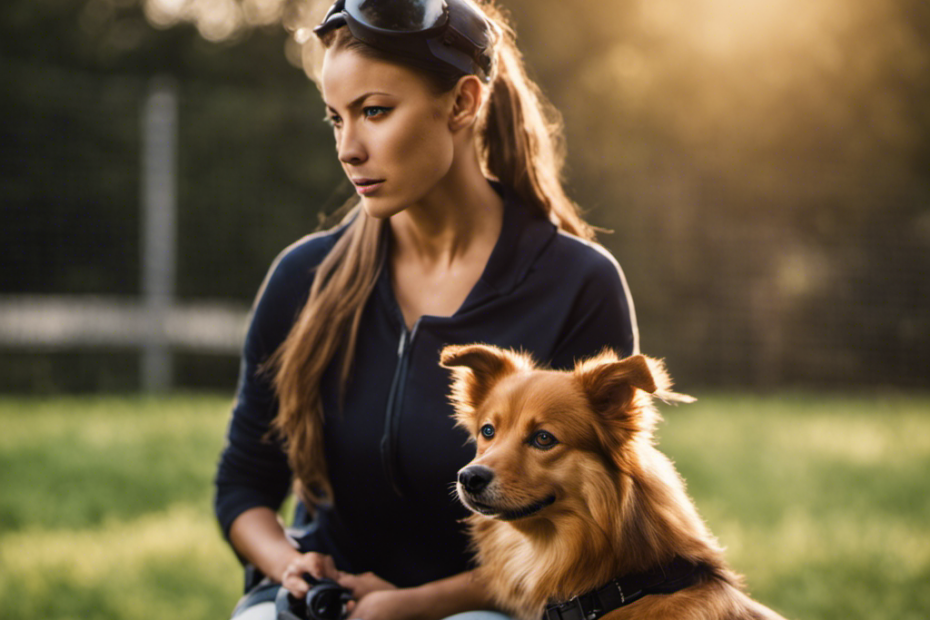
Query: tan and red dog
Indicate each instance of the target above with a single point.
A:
(577, 515)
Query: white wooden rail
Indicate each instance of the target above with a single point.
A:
(61, 322)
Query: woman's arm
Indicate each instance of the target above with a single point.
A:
(430, 601)
(253, 471)
(258, 536)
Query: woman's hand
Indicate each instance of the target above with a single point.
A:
(392, 604)
(377, 599)
(363, 584)
(319, 566)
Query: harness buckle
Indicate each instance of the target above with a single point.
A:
(563, 611)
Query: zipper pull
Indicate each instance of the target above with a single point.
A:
(403, 342)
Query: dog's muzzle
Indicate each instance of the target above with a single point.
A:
(475, 478)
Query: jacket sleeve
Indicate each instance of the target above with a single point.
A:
(253, 469)
(602, 315)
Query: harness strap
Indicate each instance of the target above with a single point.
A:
(672, 577)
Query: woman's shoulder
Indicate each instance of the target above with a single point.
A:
(579, 258)
(307, 252)
(291, 273)
(296, 263)
(284, 291)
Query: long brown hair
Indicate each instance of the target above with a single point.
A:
(520, 143)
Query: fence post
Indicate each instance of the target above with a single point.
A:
(159, 221)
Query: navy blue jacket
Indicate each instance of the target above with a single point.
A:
(393, 451)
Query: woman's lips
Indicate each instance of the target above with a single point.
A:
(367, 186)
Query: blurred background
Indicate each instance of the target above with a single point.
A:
(763, 165)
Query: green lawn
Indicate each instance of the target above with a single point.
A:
(823, 503)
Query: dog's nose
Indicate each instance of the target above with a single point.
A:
(475, 478)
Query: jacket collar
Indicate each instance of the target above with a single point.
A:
(525, 234)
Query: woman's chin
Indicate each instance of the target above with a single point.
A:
(381, 208)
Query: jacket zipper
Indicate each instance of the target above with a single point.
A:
(392, 414)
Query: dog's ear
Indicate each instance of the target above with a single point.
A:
(476, 368)
(611, 385)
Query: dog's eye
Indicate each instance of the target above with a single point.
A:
(487, 431)
(544, 440)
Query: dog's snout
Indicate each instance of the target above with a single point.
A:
(475, 478)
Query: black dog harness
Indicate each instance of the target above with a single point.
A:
(674, 576)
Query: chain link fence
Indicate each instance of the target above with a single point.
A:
(729, 300)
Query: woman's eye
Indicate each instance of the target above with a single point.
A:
(373, 111)
(333, 121)
(487, 431)
(544, 440)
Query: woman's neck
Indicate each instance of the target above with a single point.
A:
(449, 225)
(441, 246)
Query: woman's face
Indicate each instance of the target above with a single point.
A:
(392, 131)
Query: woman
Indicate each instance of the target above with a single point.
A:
(462, 233)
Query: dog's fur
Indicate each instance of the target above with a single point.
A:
(618, 506)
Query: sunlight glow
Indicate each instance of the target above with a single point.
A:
(166, 13)
(262, 12)
(722, 28)
(216, 20)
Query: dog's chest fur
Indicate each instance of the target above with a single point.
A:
(529, 568)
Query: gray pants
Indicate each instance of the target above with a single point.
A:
(266, 611)
(259, 604)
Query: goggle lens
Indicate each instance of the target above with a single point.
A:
(450, 32)
(407, 16)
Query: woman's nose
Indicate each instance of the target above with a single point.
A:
(349, 147)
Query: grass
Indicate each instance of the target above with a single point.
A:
(823, 503)
(105, 510)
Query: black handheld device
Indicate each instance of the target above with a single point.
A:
(326, 600)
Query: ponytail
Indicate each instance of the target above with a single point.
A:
(521, 140)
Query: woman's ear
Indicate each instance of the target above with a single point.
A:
(469, 94)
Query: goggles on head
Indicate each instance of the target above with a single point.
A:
(424, 32)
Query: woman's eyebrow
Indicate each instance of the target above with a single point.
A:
(358, 100)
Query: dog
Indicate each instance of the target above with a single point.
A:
(576, 513)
